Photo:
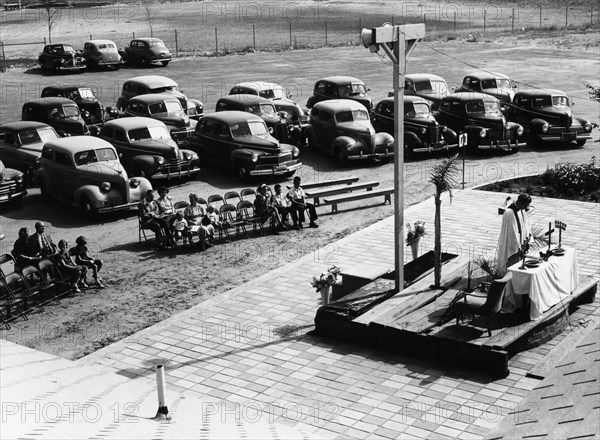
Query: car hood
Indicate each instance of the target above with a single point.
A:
(555, 112)
(502, 94)
(166, 147)
(105, 171)
(35, 149)
(429, 120)
(7, 174)
(270, 144)
(486, 120)
(171, 119)
(159, 50)
(363, 127)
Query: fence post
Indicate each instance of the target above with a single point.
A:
(176, 44)
(216, 41)
(392, 19)
(3, 56)
(454, 23)
(133, 33)
(540, 15)
(591, 14)
(91, 37)
(325, 33)
(566, 15)
(290, 28)
(253, 37)
(44, 41)
(484, 20)
(513, 20)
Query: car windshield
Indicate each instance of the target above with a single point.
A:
(550, 101)
(560, 101)
(496, 83)
(251, 128)
(41, 135)
(416, 109)
(165, 107)
(157, 43)
(106, 46)
(352, 115)
(92, 156)
(262, 109)
(490, 108)
(274, 93)
(352, 89)
(65, 112)
(153, 132)
(68, 49)
(164, 89)
(85, 93)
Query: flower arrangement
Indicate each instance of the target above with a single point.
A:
(415, 232)
(326, 279)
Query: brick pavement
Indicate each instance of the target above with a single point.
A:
(249, 345)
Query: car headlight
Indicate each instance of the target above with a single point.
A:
(443, 128)
(134, 182)
(19, 178)
(423, 130)
(390, 142)
(295, 152)
(519, 131)
(271, 131)
(545, 128)
(587, 127)
(482, 133)
(254, 158)
(105, 187)
(159, 160)
(188, 156)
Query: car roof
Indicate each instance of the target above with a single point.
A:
(533, 92)
(51, 100)
(149, 98)
(75, 144)
(340, 79)
(407, 99)
(133, 122)
(246, 98)
(152, 81)
(470, 96)
(58, 45)
(101, 42)
(147, 39)
(422, 76)
(65, 88)
(233, 116)
(337, 105)
(19, 126)
(258, 85)
(482, 74)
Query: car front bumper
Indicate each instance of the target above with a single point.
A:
(172, 173)
(565, 136)
(501, 145)
(430, 149)
(275, 170)
(114, 208)
(7, 195)
(375, 155)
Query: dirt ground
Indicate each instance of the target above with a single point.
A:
(145, 286)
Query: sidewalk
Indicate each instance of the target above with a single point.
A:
(247, 351)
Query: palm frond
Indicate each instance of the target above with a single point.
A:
(444, 175)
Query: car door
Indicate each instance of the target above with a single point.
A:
(450, 114)
(211, 145)
(10, 153)
(64, 179)
(522, 110)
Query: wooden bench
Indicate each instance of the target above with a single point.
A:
(332, 182)
(334, 201)
(316, 195)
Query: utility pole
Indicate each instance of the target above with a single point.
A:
(397, 42)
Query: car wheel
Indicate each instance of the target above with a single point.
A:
(87, 208)
(243, 172)
(28, 174)
(164, 63)
(340, 157)
(311, 140)
(44, 189)
(581, 142)
(17, 201)
(139, 172)
(289, 174)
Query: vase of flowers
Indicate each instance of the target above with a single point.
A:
(413, 236)
(323, 283)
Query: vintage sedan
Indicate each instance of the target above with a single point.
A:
(342, 129)
(425, 85)
(341, 87)
(101, 53)
(479, 116)
(422, 133)
(547, 116)
(146, 51)
(21, 144)
(165, 108)
(276, 93)
(61, 57)
(141, 85)
(279, 127)
(12, 186)
(61, 113)
(241, 141)
(146, 149)
(495, 84)
(85, 172)
(92, 110)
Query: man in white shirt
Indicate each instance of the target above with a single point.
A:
(298, 198)
(514, 231)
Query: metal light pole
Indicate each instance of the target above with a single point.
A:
(397, 42)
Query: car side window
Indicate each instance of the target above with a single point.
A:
(445, 105)
(48, 153)
(327, 117)
(62, 158)
(408, 85)
(221, 130)
(107, 132)
(467, 81)
(315, 113)
(320, 88)
(222, 106)
(330, 90)
(120, 135)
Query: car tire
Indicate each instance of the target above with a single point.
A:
(311, 141)
(340, 158)
(289, 174)
(581, 142)
(87, 208)
(44, 189)
(164, 63)
(28, 174)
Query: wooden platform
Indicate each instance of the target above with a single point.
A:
(420, 321)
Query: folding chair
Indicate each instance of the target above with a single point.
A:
(248, 193)
(246, 212)
(216, 201)
(55, 284)
(37, 282)
(4, 259)
(180, 206)
(232, 197)
(7, 301)
(202, 202)
(142, 231)
(229, 220)
(19, 289)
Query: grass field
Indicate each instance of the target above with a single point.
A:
(232, 26)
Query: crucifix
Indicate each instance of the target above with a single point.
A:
(524, 249)
(561, 226)
(549, 234)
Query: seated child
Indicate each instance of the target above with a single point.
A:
(181, 229)
(69, 270)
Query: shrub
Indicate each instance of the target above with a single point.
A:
(572, 179)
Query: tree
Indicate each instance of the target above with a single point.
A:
(149, 17)
(444, 178)
(52, 16)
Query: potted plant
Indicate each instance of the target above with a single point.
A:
(323, 283)
(413, 236)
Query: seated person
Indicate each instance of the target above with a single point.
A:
(194, 214)
(212, 221)
(80, 252)
(69, 270)
(22, 251)
(41, 243)
(298, 198)
(151, 219)
(166, 209)
(181, 229)
(283, 205)
(264, 210)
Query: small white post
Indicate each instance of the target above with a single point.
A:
(163, 411)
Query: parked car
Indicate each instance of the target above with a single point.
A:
(547, 116)
(141, 85)
(342, 129)
(480, 116)
(165, 108)
(341, 87)
(61, 57)
(21, 144)
(61, 113)
(495, 84)
(278, 125)
(12, 186)
(425, 85)
(146, 51)
(92, 110)
(85, 172)
(101, 53)
(241, 141)
(146, 149)
(277, 94)
(422, 133)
